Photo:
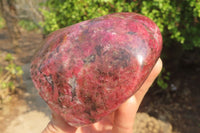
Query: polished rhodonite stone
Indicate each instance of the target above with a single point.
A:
(85, 71)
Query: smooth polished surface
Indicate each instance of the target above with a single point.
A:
(85, 71)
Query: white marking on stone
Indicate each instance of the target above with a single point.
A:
(140, 59)
(114, 33)
(73, 84)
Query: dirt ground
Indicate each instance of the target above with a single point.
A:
(179, 105)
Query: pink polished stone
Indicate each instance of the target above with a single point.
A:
(85, 71)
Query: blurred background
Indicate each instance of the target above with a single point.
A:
(172, 105)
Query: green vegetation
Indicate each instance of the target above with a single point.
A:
(28, 25)
(163, 79)
(9, 75)
(62, 13)
(177, 20)
(2, 22)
